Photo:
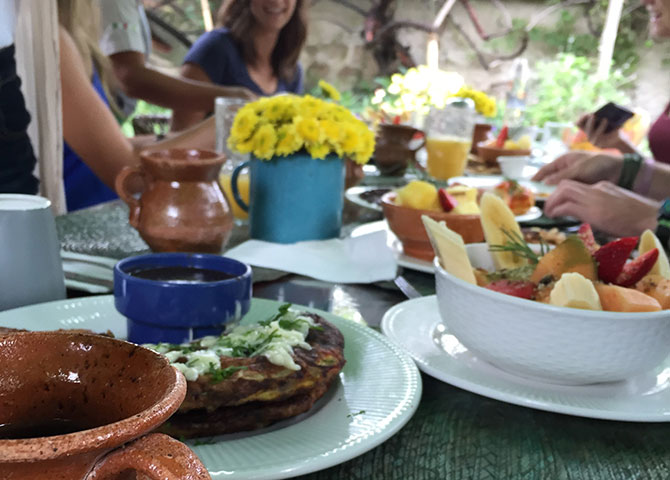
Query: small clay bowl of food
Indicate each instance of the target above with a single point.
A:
(403, 210)
(489, 154)
(176, 297)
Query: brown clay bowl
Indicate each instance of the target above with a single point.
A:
(405, 223)
(69, 399)
(489, 155)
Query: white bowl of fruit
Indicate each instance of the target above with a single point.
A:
(577, 314)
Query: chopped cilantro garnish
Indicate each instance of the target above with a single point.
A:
(220, 374)
(283, 310)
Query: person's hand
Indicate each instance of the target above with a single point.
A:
(594, 128)
(585, 167)
(607, 207)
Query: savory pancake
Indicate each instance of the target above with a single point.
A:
(255, 392)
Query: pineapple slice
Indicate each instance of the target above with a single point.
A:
(575, 291)
(450, 248)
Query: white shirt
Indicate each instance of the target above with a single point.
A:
(124, 27)
(8, 11)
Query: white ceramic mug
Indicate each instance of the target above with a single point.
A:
(31, 270)
(512, 166)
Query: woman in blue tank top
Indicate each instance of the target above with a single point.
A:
(256, 46)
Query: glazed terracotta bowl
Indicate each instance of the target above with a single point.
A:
(405, 223)
(489, 155)
(548, 343)
(69, 400)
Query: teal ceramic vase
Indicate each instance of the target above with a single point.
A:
(293, 198)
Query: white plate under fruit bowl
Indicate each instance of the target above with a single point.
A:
(377, 392)
(416, 326)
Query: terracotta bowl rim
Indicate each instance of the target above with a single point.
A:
(386, 201)
(105, 436)
(200, 156)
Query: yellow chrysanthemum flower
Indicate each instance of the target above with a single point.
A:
(308, 129)
(318, 150)
(264, 141)
(288, 140)
(329, 91)
(331, 130)
(244, 124)
(349, 139)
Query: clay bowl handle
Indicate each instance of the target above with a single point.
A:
(156, 456)
(121, 187)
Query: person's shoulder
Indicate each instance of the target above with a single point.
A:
(220, 37)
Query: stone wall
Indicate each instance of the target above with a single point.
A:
(335, 49)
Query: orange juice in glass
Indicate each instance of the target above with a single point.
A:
(449, 137)
(242, 185)
(447, 156)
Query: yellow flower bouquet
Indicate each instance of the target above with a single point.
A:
(420, 88)
(286, 124)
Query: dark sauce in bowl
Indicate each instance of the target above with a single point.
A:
(180, 274)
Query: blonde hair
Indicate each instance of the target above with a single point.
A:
(81, 18)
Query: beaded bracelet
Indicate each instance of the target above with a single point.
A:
(631, 166)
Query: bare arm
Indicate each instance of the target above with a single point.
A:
(139, 81)
(92, 131)
(88, 125)
(185, 117)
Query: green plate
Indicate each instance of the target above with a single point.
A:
(377, 392)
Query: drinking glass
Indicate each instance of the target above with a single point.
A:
(31, 270)
(448, 139)
(225, 110)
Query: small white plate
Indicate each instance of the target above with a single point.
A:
(353, 194)
(416, 326)
(377, 392)
(489, 181)
(395, 245)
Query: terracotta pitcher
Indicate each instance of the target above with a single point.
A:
(392, 151)
(182, 207)
(78, 406)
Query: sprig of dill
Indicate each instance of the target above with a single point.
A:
(516, 245)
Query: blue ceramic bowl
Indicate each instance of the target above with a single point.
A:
(175, 312)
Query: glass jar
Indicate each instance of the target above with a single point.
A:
(225, 110)
(449, 138)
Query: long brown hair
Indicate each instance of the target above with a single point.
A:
(81, 19)
(236, 16)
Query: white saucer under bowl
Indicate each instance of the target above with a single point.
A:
(416, 326)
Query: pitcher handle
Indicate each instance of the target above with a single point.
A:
(414, 150)
(121, 187)
(235, 189)
(157, 456)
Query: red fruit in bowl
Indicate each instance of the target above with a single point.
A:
(516, 288)
(586, 234)
(634, 270)
(612, 257)
(448, 202)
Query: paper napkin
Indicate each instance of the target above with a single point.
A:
(362, 259)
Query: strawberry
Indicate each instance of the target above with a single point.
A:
(586, 234)
(612, 257)
(502, 136)
(634, 270)
(447, 201)
(516, 288)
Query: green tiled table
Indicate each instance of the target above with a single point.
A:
(454, 434)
